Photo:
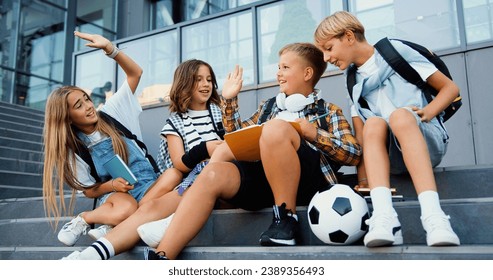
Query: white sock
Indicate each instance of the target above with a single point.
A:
(102, 249)
(381, 199)
(429, 203)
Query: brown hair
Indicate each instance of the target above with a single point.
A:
(336, 26)
(311, 54)
(184, 83)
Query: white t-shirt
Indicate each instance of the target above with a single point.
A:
(125, 108)
(378, 100)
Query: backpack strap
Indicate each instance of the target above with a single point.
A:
(82, 151)
(320, 111)
(125, 132)
(217, 121)
(267, 110)
(402, 67)
(350, 82)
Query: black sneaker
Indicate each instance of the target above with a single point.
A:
(282, 231)
(151, 255)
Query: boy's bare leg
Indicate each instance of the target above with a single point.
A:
(279, 143)
(375, 153)
(414, 150)
(217, 180)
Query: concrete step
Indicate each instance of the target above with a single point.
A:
(14, 192)
(35, 121)
(21, 127)
(21, 144)
(321, 252)
(29, 166)
(21, 154)
(19, 110)
(472, 219)
(21, 135)
(21, 179)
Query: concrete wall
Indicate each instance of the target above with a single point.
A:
(470, 130)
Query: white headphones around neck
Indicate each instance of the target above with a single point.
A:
(293, 103)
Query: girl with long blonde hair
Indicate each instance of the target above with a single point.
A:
(72, 124)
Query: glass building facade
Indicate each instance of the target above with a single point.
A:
(38, 51)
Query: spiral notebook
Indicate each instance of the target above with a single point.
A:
(117, 168)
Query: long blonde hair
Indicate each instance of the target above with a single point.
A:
(60, 144)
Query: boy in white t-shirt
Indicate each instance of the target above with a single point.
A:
(400, 131)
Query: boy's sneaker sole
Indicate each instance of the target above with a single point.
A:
(386, 241)
(267, 241)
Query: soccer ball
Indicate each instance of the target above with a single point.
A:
(337, 216)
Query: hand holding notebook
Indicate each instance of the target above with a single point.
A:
(117, 168)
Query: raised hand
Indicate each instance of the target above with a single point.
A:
(233, 83)
(96, 41)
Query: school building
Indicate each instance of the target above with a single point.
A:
(38, 52)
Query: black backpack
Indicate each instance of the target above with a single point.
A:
(83, 152)
(402, 67)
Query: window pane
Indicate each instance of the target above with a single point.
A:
(431, 23)
(33, 92)
(200, 8)
(158, 57)
(478, 17)
(287, 22)
(222, 43)
(6, 87)
(8, 32)
(164, 13)
(94, 72)
(100, 13)
(42, 41)
(62, 3)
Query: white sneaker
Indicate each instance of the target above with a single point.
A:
(385, 229)
(73, 256)
(99, 232)
(71, 231)
(152, 233)
(438, 230)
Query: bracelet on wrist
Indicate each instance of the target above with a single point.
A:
(362, 180)
(113, 186)
(113, 53)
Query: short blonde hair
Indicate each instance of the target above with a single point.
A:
(336, 25)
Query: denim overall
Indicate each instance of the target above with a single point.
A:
(102, 151)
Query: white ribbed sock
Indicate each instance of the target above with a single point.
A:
(429, 203)
(102, 249)
(381, 199)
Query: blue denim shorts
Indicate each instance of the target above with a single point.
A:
(138, 193)
(436, 139)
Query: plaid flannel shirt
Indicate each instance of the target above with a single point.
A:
(337, 145)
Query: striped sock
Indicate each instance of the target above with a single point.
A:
(102, 249)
